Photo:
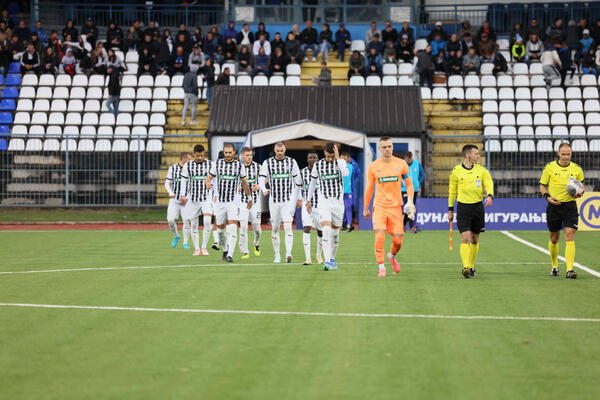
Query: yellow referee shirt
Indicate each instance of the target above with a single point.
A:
(468, 184)
(556, 178)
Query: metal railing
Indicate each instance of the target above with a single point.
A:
(104, 177)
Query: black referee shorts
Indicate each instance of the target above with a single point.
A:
(564, 215)
(470, 217)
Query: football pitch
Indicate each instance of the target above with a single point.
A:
(122, 315)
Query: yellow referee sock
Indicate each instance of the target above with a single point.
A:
(474, 249)
(570, 254)
(553, 248)
(464, 254)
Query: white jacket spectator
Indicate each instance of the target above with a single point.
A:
(550, 57)
(258, 44)
(534, 48)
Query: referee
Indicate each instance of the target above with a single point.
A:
(561, 211)
(467, 182)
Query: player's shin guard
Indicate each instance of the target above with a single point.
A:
(306, 244)
(195, 236)
(473, 250)
(465, 253)
(327, 242)
(186, 230)
(335, 241)
(206, 231)
(553, 248)
(275, 240)
(379, 250)
(173, 227)
(244, 236)
(570, 254)
(257, 232)
(289, 238)
(222, 238)
(396, 245)
(231, 239)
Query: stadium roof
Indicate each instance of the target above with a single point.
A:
(377, 111)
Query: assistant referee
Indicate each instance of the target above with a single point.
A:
(468, 181)
(561, 211)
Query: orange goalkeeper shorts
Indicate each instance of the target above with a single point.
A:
(389, 219)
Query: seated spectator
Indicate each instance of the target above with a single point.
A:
(15, 47)
(595, 31)
(376, 44)
(487, 30)
(37, 44)
(210, 49)
(114, 36)
(263, 43)
(588, 63)
(500, 63)
(466, 28)
(98, 60)
(372, 31)
(277, 42)
(147, 63)
(186, 43)
(208, 74)
(357, 64)
(196, 58)
(325, 41)
(244, 37)
(168, 39)
(22, 32)
(342, 42)
(69, 30)
(278, 61)
(535, 29)
(229, 32)
(309, 39)
(408, 31)
(148, 43)
(437, 44)
(41, 32)
(68, 62)
(229, 49)
(5, 59)
(425, 66)
(471, 62)
(183, 31)
(164, 55)
(244, 59)
(293, 50)
(262, 63)
(389, 54)
(261, 31)
(374, 63)
(224, 77)
(389, 33)
(453, 45)
(405, 49)
(114, 62)
(197, 39)
(556, 32)
(516, 30)
(518, 50)
(5, 32)
(216, 34)
(533, 49)
(152, 30)
(178, 62)
(586, 42)
(6, 18)
(325, 75)
(487, 48)
(296, 32)
(70, 43)
(467, 43)
(132, 38)
(30, 61)
(440, 62)
(54, 42)
(438, 30)
(455, 62)
(90, 31)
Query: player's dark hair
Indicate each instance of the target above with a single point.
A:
(467, 148)
(329, 147)
(345, 151)
(408, 154)
(384, 138)
(312, 152)
(245, 149)
(198, 148)
(564, 144)
(229, 145)
(279, 144)
(184, 154)
(398, 154)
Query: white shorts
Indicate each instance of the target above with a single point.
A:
(174, 210)
(331, 210)
(227, 212)
(311, 219)
(281, 212)
(193, 209)
(253, 215)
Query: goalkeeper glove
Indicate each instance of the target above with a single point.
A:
(410, 209)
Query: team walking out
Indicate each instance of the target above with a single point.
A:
(227, 191)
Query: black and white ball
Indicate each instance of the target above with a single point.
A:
(575, 188)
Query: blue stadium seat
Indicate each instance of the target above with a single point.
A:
(13, 80)
(7, 105)
(3, 145)
(14, 68)
(6, 118)
(11, 93)
(4, 130)
(1, 79)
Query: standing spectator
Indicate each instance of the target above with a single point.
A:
(6, 18)
(500, 63)
(261, 31)
(357, 64)
(566, 62)
(533, 49)
(588, 63)
(371, 32)
(190, 89)
(263, 43)
(68, 62)
(389, 54)
(163, 56)
(487, 30)
(325, 41)
(325, 75)
(455, 62)
(374, 63)
(487, 48)
(535, 29)
(376, 44)
(437, 44)
(572, 38)
(408, 31)
(438, 30)
(22, 32)
(230, 32)
(278, 61)
(41, 32)
(244, 60)
(69, 30)
(293, 49)
(147, 63)
(556, 32)
(342, 42)
(550, 66)
(90, 31)
(309, 39)
(425, 66)
(224, 77)
(277, 42)
(114, 36)
(262, 63)
(178, 62)
(417, 176)
(245, 37)
(471, 62)
(405, 49)
(518, 50)
(440, 62)
(5, 59)
(348, 201)
(114, 91)
(229, 49)
(389, 33)
(209, 78)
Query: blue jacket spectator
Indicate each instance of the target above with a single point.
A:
(416, 171)
(374, 63)
(437, 44)
(376, 44)
(230, 31)
(42, 35)
(586, 41)
(342, 41)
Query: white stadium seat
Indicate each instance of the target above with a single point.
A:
(124, 119)
(141, 106)
(520, 69)
(96, 80)
(558, 119)
(389, 81)
(523, 106)
(45, 92)
(292, 81)
(22, 117)
(58, 105)
(592, 106)
(522, 93)
(162, 81)
(156, 131)
(471, 81)
(154, 145)
(140, 119)
(127, 93)
(160, 93)
(122, 132)
(107, 119)
(102, 145)
(574, 106)
(572, 93)
(157, 119)
(120, 145)
(526, 131)
(491, 130)
(94, 93)
(506, 93)
(405, 81)
(93, 105)
(85, 145)
(159, 106)
(132, 69)
(373, 80)
(505, 81)
(75, 105)
(439, 93)
(54, 130)
(80, 80)
(425, 93)
(137, 145)
(576, 119)
(588, 80)
(292, 69)
(140, 131)
(489, 106)
(18, 130)
(34, 145)
(542, 131)
(405, 69)
(277, 80)
(490, 119)
(358, 45)
(260, 80)
(144, 93)
(29, 80)
(390, 69)
(579, 145)
(577, 130)
(473, 93)
(557, 93)
(524, 119)
(420, 44)
(489, 93)
(131, 57)
(73, 118)
(507, 119)
(592, 118)
(488, 81)
(39, 118)
(560, 131)
(455, 81)
(176, 93)
(357, 80)
(63, 80)
(129, 81)
(593, 131)
(46, 80)
(590, 93)
(51, 145)
(68, 145)
(508, 131)
(541, 119)
(36, 130)
(456, 93)
(105, 131)
(42, 105)
(506, 106)
(90, 119)
(77, 93)
(25, 105)
(88, 131)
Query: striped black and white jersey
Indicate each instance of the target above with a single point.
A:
(283, 176)
(252, 172)
(173, 180)
(330, 178)
(195, 175)
(305, 172)
(229, 175)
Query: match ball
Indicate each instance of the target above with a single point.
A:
(575, 188)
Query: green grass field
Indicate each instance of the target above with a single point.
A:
(54, 353)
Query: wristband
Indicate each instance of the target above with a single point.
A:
(491, 196)
(546, 195)
(451, 209)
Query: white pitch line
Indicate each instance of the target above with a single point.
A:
(301, 313)
(236, 265)
(545, 251)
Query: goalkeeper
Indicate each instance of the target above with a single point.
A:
(386, 174)
(467, 182)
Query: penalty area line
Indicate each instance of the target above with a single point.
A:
(545, 251)
(301, 313)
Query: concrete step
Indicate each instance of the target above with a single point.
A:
(454, 148)
(334, 82)
(453, 113)
(455, 126)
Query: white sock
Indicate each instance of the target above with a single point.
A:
(289, 238)
(216, 238)
(244, 236)
(186, 230)
(327, 242)
(257, 232)
(306, 243)
(320, 244)
(381, 266)
(173, 227)
(195, 237)
(206, 231)
(231, 239)
(335, 241)
(276, 240)
(222, 238)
